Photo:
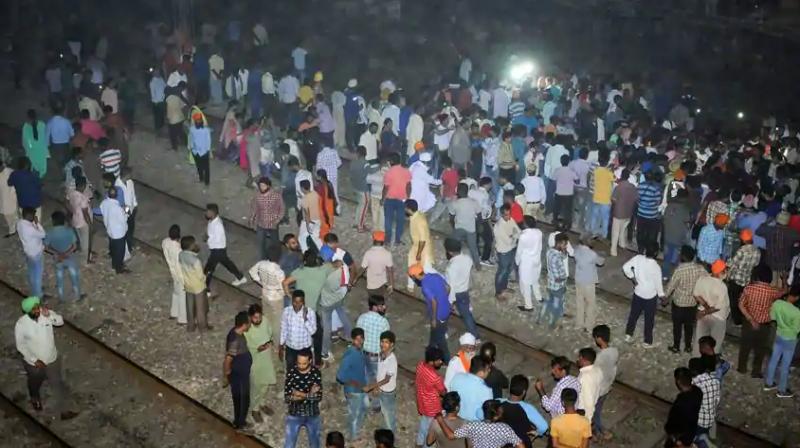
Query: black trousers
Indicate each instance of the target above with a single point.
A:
(563, 210)
(117, 249)
(220, 256)
(683, 318)
(639, 306)
(203, 168)
(316, 339)
(240, 392)
(485, 236)
(131, 229)
(734, 292)
(175, 135)
(647, 231)
(756, 341)
(159, 111)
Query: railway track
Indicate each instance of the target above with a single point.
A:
(635, 405)
(20, 428)
(120, 403)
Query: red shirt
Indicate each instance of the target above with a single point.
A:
(430, 387)
(449, 182)
(757, 298)
(794, 222)
(396, 179)
(92, 129)
(516, 213)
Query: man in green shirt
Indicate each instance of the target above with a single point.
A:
(310, 279)
(786, 314)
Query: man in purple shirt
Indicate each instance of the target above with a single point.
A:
(436, 293)
(581, 167)
(565, 191)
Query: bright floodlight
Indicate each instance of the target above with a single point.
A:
(521, 70)
(740, 115)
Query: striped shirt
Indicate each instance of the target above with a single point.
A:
(649, 200)
(516, 109)
(552, 403)
(373, 324)
(111, 161)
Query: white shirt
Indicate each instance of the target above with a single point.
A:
(288, 87)
(388, 366)
(175, 78)
(34, 338)
(465, 69)
(484, 99)
(391, 112)
(421, 180)
(270, 275)
(32, 237)
(216, 234)
(216, 64)
(414, 132)
(534, 189)
(529, 247)
(591, 380)
(553, 159)
(606, 361)
(647, 274)
(454, 367)
(457, 274)
(171, 250)
(157, 85)
(114, 218)
(130, 193)
(267, 84)
(369, 141)
(299, 57)
(500, 102)
(481, 196)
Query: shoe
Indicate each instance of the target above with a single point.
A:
(768, 388)
(687, 349)
(757, 376)
(787, 394)
(648, 346)
(239, 282)
(69, 415)
(37, 405)
(328, 357)
(522, 308)
(628, 338)
(674, 349)
(487, 263)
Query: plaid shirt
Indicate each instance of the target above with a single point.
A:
(710, 386)
(295, 331)
(709, 243)
(266, 209)
(328, 159)
(714, 209)
(757, 298)
(556, 270)
(740, 269)
(552, 403)
(373, 325)
(681, 285)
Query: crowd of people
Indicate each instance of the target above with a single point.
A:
(623, 165)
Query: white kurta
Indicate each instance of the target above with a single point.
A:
(414, 132)
(338, 100)
(529, 260)
(171, 250)
(421, 180)
(8, 195)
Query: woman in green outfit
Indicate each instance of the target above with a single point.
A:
(34, 140)
(262, 372)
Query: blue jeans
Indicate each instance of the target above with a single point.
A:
(35, 271)
(462, 305)
(327, 324)
(215, 90)
(597, 422)
(782, 351)
(394, 212)
(356, 411)
(372, 377)
(388, 402)
(438, 339)
(265, 238)
(422, 430)
(598, 225)
(505, 264)
(293, 424)
(70, 265)
(553, 307)
(671, 254)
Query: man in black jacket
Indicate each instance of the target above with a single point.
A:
(683, 414)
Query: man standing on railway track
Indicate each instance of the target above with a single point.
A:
(171, 248)
(712, 295)
(35, 341)
(266, 212)
(236, 368)
(421, 250)
(436, 292)
(303, 393)
(559, 369)
(217, 246)
(644, 271)
(32, 235)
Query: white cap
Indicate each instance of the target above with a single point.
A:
(426, 157)
(467, 339)
(352, 83)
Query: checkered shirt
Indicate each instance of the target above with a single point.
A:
(552, 403)
(740, 268)
(373, 325)
(328, 159)
(757, 298)
(710, 386)
(266, 209)
(681, 285)
(556, 270)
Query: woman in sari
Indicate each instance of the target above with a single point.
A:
(34, 140)
(327, 203)
(261, 343)
(231, 129)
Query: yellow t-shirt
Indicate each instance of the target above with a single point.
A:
(603, 181)
(570, 430)
(305, 94)
(419, 231)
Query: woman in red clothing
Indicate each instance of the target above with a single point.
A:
(327, 202)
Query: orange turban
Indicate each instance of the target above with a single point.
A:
(717, 267)
(415, 270)
(721, 219)
(746, 235)
(379, 235)
(197, 116)
(419, 146)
